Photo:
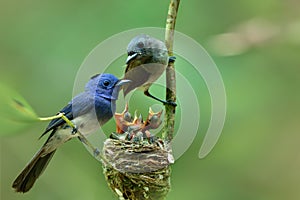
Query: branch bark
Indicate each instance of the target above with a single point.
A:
(169, 122)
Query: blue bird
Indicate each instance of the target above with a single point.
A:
(88, 110)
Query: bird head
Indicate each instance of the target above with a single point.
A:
(105, 85)
(146, 49)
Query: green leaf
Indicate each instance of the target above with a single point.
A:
(15, 112)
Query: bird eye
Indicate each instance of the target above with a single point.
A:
(140, 45)
(131, 53)
(106, 83)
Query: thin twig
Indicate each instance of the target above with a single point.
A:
(170, 72)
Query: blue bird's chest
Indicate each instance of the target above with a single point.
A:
(98, 114)
(104, 110)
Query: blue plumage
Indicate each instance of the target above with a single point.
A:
(88, 111)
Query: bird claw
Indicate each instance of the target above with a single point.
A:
(74, 131)
(96, 152)
(172, 59)
(171, 103)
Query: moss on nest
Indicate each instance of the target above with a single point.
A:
(137, 171)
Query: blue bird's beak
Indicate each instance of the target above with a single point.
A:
(122, 82)
(118, 86)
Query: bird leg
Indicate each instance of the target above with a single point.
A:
(75, 131)
(147, 93)
(81, 137)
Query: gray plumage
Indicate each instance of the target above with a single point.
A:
(147, 60)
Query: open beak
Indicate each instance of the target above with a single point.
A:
(131, 57)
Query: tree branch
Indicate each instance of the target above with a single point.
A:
(169, 122)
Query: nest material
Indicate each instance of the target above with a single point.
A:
(137, 171)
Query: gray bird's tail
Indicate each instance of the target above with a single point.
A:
(32, 171)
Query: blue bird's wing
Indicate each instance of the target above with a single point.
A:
(80, 105)
(55, 123)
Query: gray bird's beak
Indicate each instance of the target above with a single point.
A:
(129, 58)
(122, 82)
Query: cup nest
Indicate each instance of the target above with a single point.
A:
(136, 164)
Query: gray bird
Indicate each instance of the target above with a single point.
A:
(147, 60)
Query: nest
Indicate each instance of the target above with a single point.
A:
(137, 165)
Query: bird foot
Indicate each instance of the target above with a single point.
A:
(172, 59)
(75, 130)
(171, 103)
(96, 152)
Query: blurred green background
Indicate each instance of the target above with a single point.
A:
(255, 44)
